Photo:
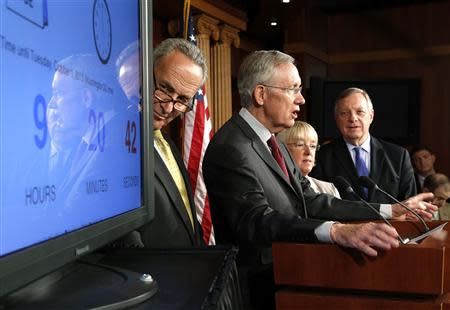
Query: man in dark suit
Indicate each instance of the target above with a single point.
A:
(179, 72)
(387, 164)
(423, 161)
(257, 198)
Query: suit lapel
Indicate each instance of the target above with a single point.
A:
(380, 166)
(163, 174)
(345, 160)
(294, 171)
(376, 160)
(263, 151)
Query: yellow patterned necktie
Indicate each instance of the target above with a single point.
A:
(174, 170)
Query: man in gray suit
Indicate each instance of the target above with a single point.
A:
(179, 72)
(385, 163)
(257, 198)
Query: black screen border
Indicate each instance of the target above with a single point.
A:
(25, 266)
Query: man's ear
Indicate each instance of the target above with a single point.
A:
(259, 95)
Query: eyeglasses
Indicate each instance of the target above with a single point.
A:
(302, 145)
(181, 105)
(294, 91)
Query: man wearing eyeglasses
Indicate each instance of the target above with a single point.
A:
(179, 72)
(257, 192)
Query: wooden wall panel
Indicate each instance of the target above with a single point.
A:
(392, 43)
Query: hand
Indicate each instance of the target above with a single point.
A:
(419, 203)
(365, 237)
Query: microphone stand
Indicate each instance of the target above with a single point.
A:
(342, 184)
(368, 182)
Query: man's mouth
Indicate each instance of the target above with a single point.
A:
(159, 116)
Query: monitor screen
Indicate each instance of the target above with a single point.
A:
(72, 86)
(396, 103)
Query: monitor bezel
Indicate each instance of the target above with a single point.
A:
(20, 268)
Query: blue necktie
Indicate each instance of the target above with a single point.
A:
(361, 167)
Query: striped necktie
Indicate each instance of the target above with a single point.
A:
(172, 166)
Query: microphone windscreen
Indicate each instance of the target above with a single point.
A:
(342, 185)
(366, 182)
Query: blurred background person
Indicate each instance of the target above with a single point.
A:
(81, 119)
(302, 142)
(358, 153)
(128, 75)
(423, 162)
(68, 117)
(439, 185)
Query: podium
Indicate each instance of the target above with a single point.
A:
(325, 276)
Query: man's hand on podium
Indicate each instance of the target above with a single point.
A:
(419, 203)
(365, 237)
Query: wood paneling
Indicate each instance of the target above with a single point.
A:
(316, 276)
(398, 42)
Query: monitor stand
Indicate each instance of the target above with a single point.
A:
(84, 285)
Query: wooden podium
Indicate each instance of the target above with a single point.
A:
(321, 276)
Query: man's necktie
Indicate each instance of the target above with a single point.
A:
(174, 170)
(361, 167)
(275, 149)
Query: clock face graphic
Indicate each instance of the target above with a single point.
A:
(101, 25)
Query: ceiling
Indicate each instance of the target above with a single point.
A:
(259, 13)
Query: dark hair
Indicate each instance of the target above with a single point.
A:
(420, 147)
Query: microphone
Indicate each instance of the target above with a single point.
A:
(369, 183)
(343, 186)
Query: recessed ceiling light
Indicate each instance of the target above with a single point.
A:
(285, 1)
(273, 23)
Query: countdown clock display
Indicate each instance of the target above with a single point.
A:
(101, 26)
(70, 147)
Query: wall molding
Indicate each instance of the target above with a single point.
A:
(369, 56)
(220, 14)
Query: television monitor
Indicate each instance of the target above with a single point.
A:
(396, 103)
(75, 165)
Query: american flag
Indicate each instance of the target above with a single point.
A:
(197, 134)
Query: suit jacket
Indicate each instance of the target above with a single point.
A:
(390, 168)
(418, 186)
(253, 204)
(171, 226)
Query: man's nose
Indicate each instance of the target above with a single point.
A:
(167, 107)
(353, 116)
(299, 99)
(52, 103)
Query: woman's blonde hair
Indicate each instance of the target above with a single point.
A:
(300, 130)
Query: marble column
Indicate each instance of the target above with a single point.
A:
(221, 74)
(207, 29)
